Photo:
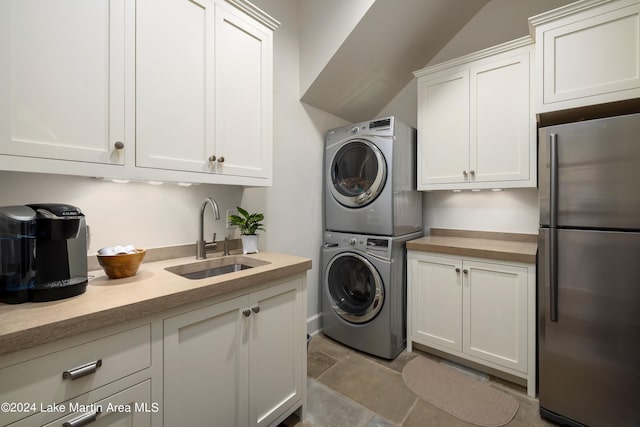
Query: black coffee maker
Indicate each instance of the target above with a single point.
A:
(43, 252)
(61, 252)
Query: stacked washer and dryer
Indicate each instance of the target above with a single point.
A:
(372, 209)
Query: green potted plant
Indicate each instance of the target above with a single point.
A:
(248, 224)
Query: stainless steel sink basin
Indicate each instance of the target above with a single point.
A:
(215, 267)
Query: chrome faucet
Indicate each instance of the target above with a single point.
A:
(201, 244)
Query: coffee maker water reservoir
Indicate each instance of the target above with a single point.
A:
(17, 253)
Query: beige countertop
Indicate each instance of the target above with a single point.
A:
(491, 245)
(151, 290)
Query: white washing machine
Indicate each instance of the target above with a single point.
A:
(364, 291)
(370, 179)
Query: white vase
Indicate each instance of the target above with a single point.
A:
(249, 243)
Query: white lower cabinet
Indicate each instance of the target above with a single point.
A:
(103, 376)
(475, 309)
(237, 363)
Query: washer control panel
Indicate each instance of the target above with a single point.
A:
(380, 245)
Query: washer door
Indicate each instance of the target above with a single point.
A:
(358, 173)
(354, 287)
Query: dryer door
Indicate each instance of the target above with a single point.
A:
(354, 287)
(358, 173)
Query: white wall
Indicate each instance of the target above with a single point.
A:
(293, 205)
(141, 214)
(321, 38)
(509, 211)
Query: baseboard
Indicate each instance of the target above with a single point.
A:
(314, 324)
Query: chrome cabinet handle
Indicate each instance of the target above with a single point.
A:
(212, 158)
(221, 159)
(119, 145)
(82, 420)
(81, 371)
(246, 312)
(255, 309)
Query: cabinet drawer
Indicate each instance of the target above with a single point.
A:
(65, 374)
(129, 406)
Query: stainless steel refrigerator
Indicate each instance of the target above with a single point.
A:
(589, 272)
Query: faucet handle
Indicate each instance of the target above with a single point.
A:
(214, 238)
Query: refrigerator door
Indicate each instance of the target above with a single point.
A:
(598, 173)
(589, 359)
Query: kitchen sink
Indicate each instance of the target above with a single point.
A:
(215, 267)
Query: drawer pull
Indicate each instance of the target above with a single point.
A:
(81, 371)
(82, 420)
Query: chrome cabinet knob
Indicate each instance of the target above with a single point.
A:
(472, 172)
(221, 159)
(464, 173)
(212, 158)
(255, 309)
(457, 270)
(246, 312)
(465, 271)
(119, 145)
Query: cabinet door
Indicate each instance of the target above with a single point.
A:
(589, 58)
(174, 84)
(62, 79)
(495, 313)
(436, 301)
(244, 95)
(277, 349)
(502, 124)
(205, 359)
(443, 122)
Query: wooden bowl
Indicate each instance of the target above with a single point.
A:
(122, 265)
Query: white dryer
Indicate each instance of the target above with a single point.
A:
(370, 179)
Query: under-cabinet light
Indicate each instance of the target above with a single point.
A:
(120, 181)
(155, 182)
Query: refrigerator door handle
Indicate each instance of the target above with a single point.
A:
(552, 270)
(553, 233)
(553, 180)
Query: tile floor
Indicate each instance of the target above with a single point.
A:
(347, 388)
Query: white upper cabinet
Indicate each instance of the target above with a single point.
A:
(244, 87)
(62, 80)
(183, 87)
(174, 84)
(587, 53)
(204, 90)
(476, 127)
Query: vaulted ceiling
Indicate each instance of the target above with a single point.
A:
(376, 60)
